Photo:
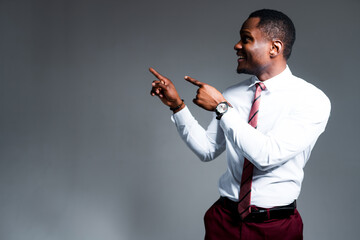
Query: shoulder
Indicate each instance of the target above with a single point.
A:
(309, 96)
(308, 90)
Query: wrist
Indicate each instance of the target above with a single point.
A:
(178, 107)
(221, 109)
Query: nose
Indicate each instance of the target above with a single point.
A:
(238, 46)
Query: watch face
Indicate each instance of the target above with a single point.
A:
(222, 107)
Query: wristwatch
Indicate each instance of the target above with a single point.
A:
(221, 109)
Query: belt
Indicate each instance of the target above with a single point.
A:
(259, 214)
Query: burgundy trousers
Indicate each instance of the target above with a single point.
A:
(223, 224)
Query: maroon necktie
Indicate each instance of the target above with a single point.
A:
(247, 174)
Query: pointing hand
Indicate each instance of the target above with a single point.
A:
(165, 90)
(207, 96)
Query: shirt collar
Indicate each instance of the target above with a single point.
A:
(275, 82)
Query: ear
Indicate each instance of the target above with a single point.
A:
(276, 48)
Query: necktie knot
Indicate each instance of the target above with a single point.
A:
(261, 86)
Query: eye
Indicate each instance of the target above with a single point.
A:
(245, 39)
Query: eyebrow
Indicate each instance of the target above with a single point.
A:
(245, 31)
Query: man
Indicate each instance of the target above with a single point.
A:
(267, 125)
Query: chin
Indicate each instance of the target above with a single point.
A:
(242, 70)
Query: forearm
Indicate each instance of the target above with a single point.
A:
(206, 144)
(274, 148)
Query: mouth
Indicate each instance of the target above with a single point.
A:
(241, 58)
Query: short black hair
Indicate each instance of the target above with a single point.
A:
(276, 24)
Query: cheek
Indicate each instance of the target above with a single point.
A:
(260, 54)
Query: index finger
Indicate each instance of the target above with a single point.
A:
(157, 75)
(193, 81)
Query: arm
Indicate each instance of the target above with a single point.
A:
(295, 133)
(207, 145)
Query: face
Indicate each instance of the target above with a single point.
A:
(253, 49)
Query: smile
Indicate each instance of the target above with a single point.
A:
(241, 58)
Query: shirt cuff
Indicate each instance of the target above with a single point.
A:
(181, 117)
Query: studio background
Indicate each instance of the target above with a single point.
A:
(87, 153)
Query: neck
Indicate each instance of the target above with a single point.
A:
(271, 72)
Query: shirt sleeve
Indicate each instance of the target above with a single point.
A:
(206, 144)
(290, 136)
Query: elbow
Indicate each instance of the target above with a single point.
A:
(263, 166)
(266, 162)
(209, 152)
(272, 155)
(207, 157)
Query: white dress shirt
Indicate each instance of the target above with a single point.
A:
(292, 115)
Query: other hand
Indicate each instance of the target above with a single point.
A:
(165, 90)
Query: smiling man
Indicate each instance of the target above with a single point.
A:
(267, 125)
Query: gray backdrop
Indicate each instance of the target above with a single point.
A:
(87, 153)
